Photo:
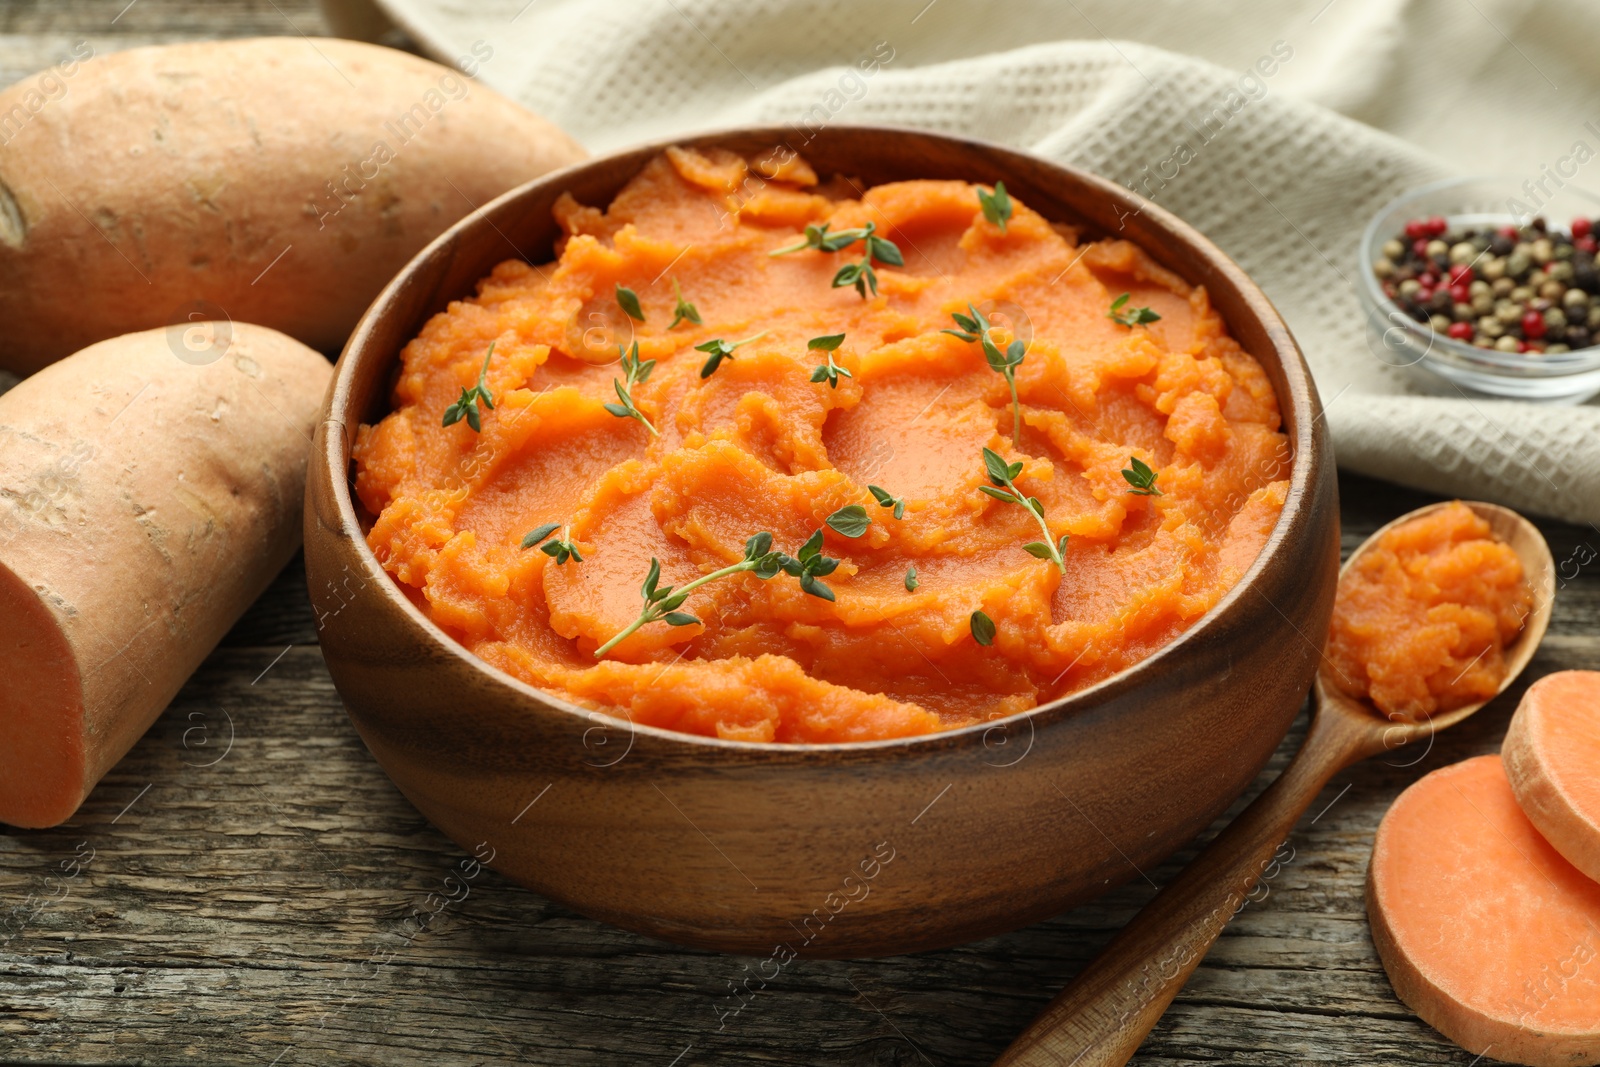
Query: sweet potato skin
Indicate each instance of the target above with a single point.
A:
(278, 181)
(145, 502)
(1552, 757)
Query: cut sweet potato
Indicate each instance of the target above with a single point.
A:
(1485, 931)
(1552, 756)
(145, 501)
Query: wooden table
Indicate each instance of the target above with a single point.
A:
(238, 889)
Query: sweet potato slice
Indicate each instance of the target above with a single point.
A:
(1485, 931)
(145, 501)
(1552, 756)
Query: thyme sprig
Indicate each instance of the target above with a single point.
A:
(859, 274)
(720, 350)
(661, 603)
(996, 205)
(635, 373)
(830, 371)
(1131, 317)
(819, 238)
(685, 311)
(1143, 479)
(976, 327)
(467, 406)
(560, 550)
(1004, 487)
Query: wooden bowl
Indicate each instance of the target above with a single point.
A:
(824, 850)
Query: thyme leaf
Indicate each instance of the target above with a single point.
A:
(850, 520)
(628, 301)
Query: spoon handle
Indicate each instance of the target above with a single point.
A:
(1103, 1016)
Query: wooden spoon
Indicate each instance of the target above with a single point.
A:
(1103, 1016)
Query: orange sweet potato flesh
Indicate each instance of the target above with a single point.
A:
(1485, 931)
(759, 446)
(1552, 756)
(1422, 618)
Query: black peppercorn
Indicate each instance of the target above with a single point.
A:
(1584, 274)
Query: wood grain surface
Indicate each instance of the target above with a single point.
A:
(254, 903)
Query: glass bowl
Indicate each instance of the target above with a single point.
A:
(1477, 203)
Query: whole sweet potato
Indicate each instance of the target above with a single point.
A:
(279, 181)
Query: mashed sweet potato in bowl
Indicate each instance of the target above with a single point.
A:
(702, 525)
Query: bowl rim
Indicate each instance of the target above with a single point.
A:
(1512, 365)
(1304, 408)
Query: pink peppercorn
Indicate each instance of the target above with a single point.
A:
(1461, 331)
(1586, 243)
(1581, 227)
(1416, 228)
(1533, 325)
(1460, 294)
(1461, 274)
(1437, 225)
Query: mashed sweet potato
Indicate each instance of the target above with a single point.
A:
(1422, 618)
(759, 446)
